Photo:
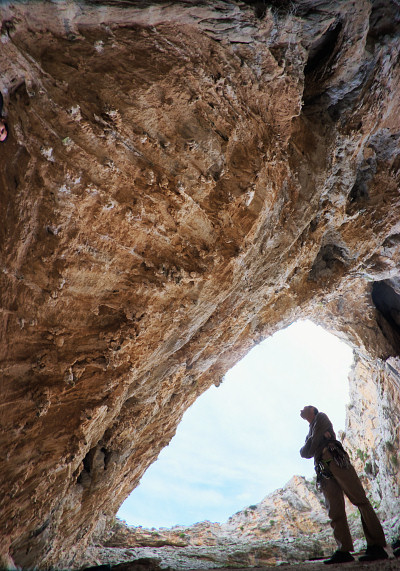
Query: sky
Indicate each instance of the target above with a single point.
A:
(240, 441)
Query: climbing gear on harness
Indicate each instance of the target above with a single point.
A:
(339, 454)
(323, 472)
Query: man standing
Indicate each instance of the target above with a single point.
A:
(335, 476)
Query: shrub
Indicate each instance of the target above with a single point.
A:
(363, 456)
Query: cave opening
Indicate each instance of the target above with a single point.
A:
(240, 441)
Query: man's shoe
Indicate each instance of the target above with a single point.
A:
(339, 557)
(373, 553)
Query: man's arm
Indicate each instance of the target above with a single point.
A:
(314, 441)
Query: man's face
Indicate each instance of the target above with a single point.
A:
(307, 413)
(3, 132)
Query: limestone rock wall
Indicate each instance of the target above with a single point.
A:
(372, 431)
(180, 181)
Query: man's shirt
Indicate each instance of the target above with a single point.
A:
(316, 441)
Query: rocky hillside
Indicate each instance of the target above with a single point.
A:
(289, 525)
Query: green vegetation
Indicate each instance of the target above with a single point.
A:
(363, 456)
(375, 504)
(353, 516)
(368, 468)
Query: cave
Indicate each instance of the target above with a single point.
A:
(239, 442)
(180, 181)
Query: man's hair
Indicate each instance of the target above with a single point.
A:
(315, 410)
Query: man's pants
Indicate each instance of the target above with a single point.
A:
(346, 480)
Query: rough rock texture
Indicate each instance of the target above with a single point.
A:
(385, 565)
(181, 180)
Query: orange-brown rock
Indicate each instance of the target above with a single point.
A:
(181, 179)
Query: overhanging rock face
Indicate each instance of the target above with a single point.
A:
(180, 181)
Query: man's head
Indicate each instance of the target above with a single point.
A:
(3, 131)
(309, 412)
